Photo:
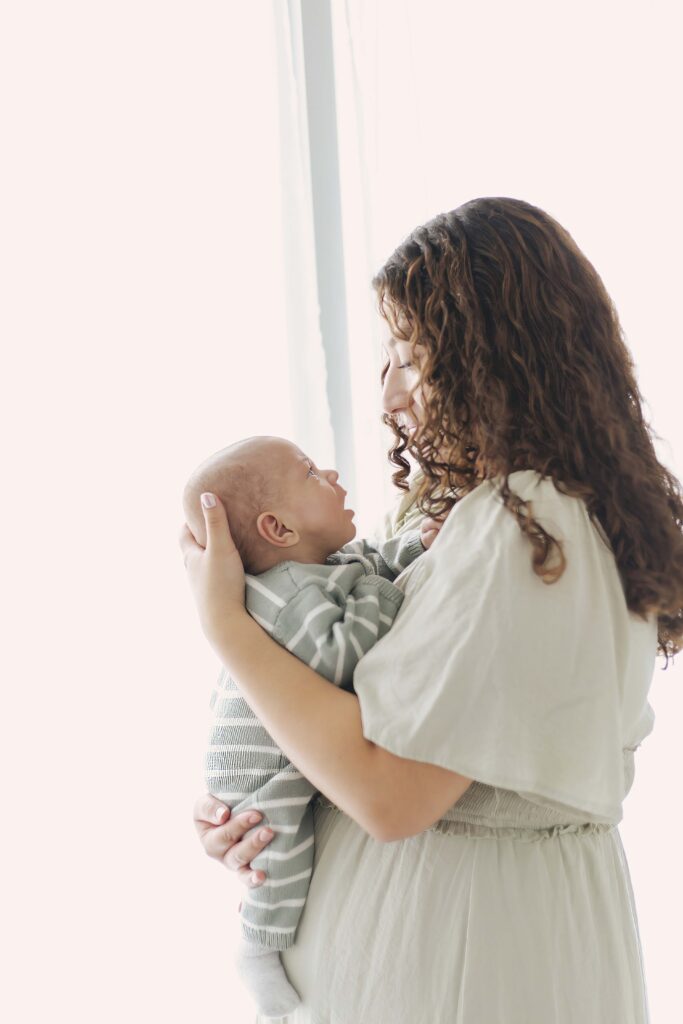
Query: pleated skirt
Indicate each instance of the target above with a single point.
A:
(467, 924)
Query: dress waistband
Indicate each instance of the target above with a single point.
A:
(488, 812)
(525, 835)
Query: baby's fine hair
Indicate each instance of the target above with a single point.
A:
(246, 490)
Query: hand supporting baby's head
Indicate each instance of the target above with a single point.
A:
(279, 506)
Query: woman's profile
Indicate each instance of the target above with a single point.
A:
(468, 862)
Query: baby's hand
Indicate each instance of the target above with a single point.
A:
(429, 530)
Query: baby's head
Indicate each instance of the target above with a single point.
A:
(280, 506)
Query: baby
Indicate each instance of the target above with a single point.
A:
(326, 599)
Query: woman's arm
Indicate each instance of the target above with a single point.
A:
(317, 725)
(319, 728)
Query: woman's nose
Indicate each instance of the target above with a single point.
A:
(395, 397)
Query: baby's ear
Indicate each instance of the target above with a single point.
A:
(274, 531)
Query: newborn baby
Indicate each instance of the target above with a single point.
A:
(325, 598)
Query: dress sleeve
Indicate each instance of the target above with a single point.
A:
(494, 674)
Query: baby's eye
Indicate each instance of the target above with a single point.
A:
(311, 471)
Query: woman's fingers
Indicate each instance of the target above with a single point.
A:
(188, 545)
(226, 842)
(209, 811)
(240, 855)
(221, 841)
(251, 877)
(215, 574)
(218, 534)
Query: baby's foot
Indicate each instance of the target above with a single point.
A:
(261, 970)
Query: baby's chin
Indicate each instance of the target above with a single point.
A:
(347, 536)
(335, 542)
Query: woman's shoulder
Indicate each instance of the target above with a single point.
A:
(528, 484)
(482, 510)
(482, 537)
(552, 502)
(543, 496)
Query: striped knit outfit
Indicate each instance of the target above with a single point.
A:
(329, 616)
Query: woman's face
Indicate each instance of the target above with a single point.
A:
(401, 376)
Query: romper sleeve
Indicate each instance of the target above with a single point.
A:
(331, 621)
(507, 680)
(389, 557)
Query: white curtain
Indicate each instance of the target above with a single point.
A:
(307, 370)
(387, 189)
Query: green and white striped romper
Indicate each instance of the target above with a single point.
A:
(329, 616)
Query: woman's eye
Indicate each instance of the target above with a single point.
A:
(402, 366)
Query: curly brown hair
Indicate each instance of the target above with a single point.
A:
(522, 355)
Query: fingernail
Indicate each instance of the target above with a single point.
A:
(208, 500)
(254, 879)
(265, 833)
(253, 818)
(220, 814)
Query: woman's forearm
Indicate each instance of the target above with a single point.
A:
(317, 725)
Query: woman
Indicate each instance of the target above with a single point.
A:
(468, 866)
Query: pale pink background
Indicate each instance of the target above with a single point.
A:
(125, 209)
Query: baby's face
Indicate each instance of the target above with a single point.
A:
(313, 504)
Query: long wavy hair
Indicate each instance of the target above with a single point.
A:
(523, 360)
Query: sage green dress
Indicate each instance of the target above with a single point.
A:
(516, 907)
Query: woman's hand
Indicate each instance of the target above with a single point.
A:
(222, 838)
(429, 530)
(215, 573)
